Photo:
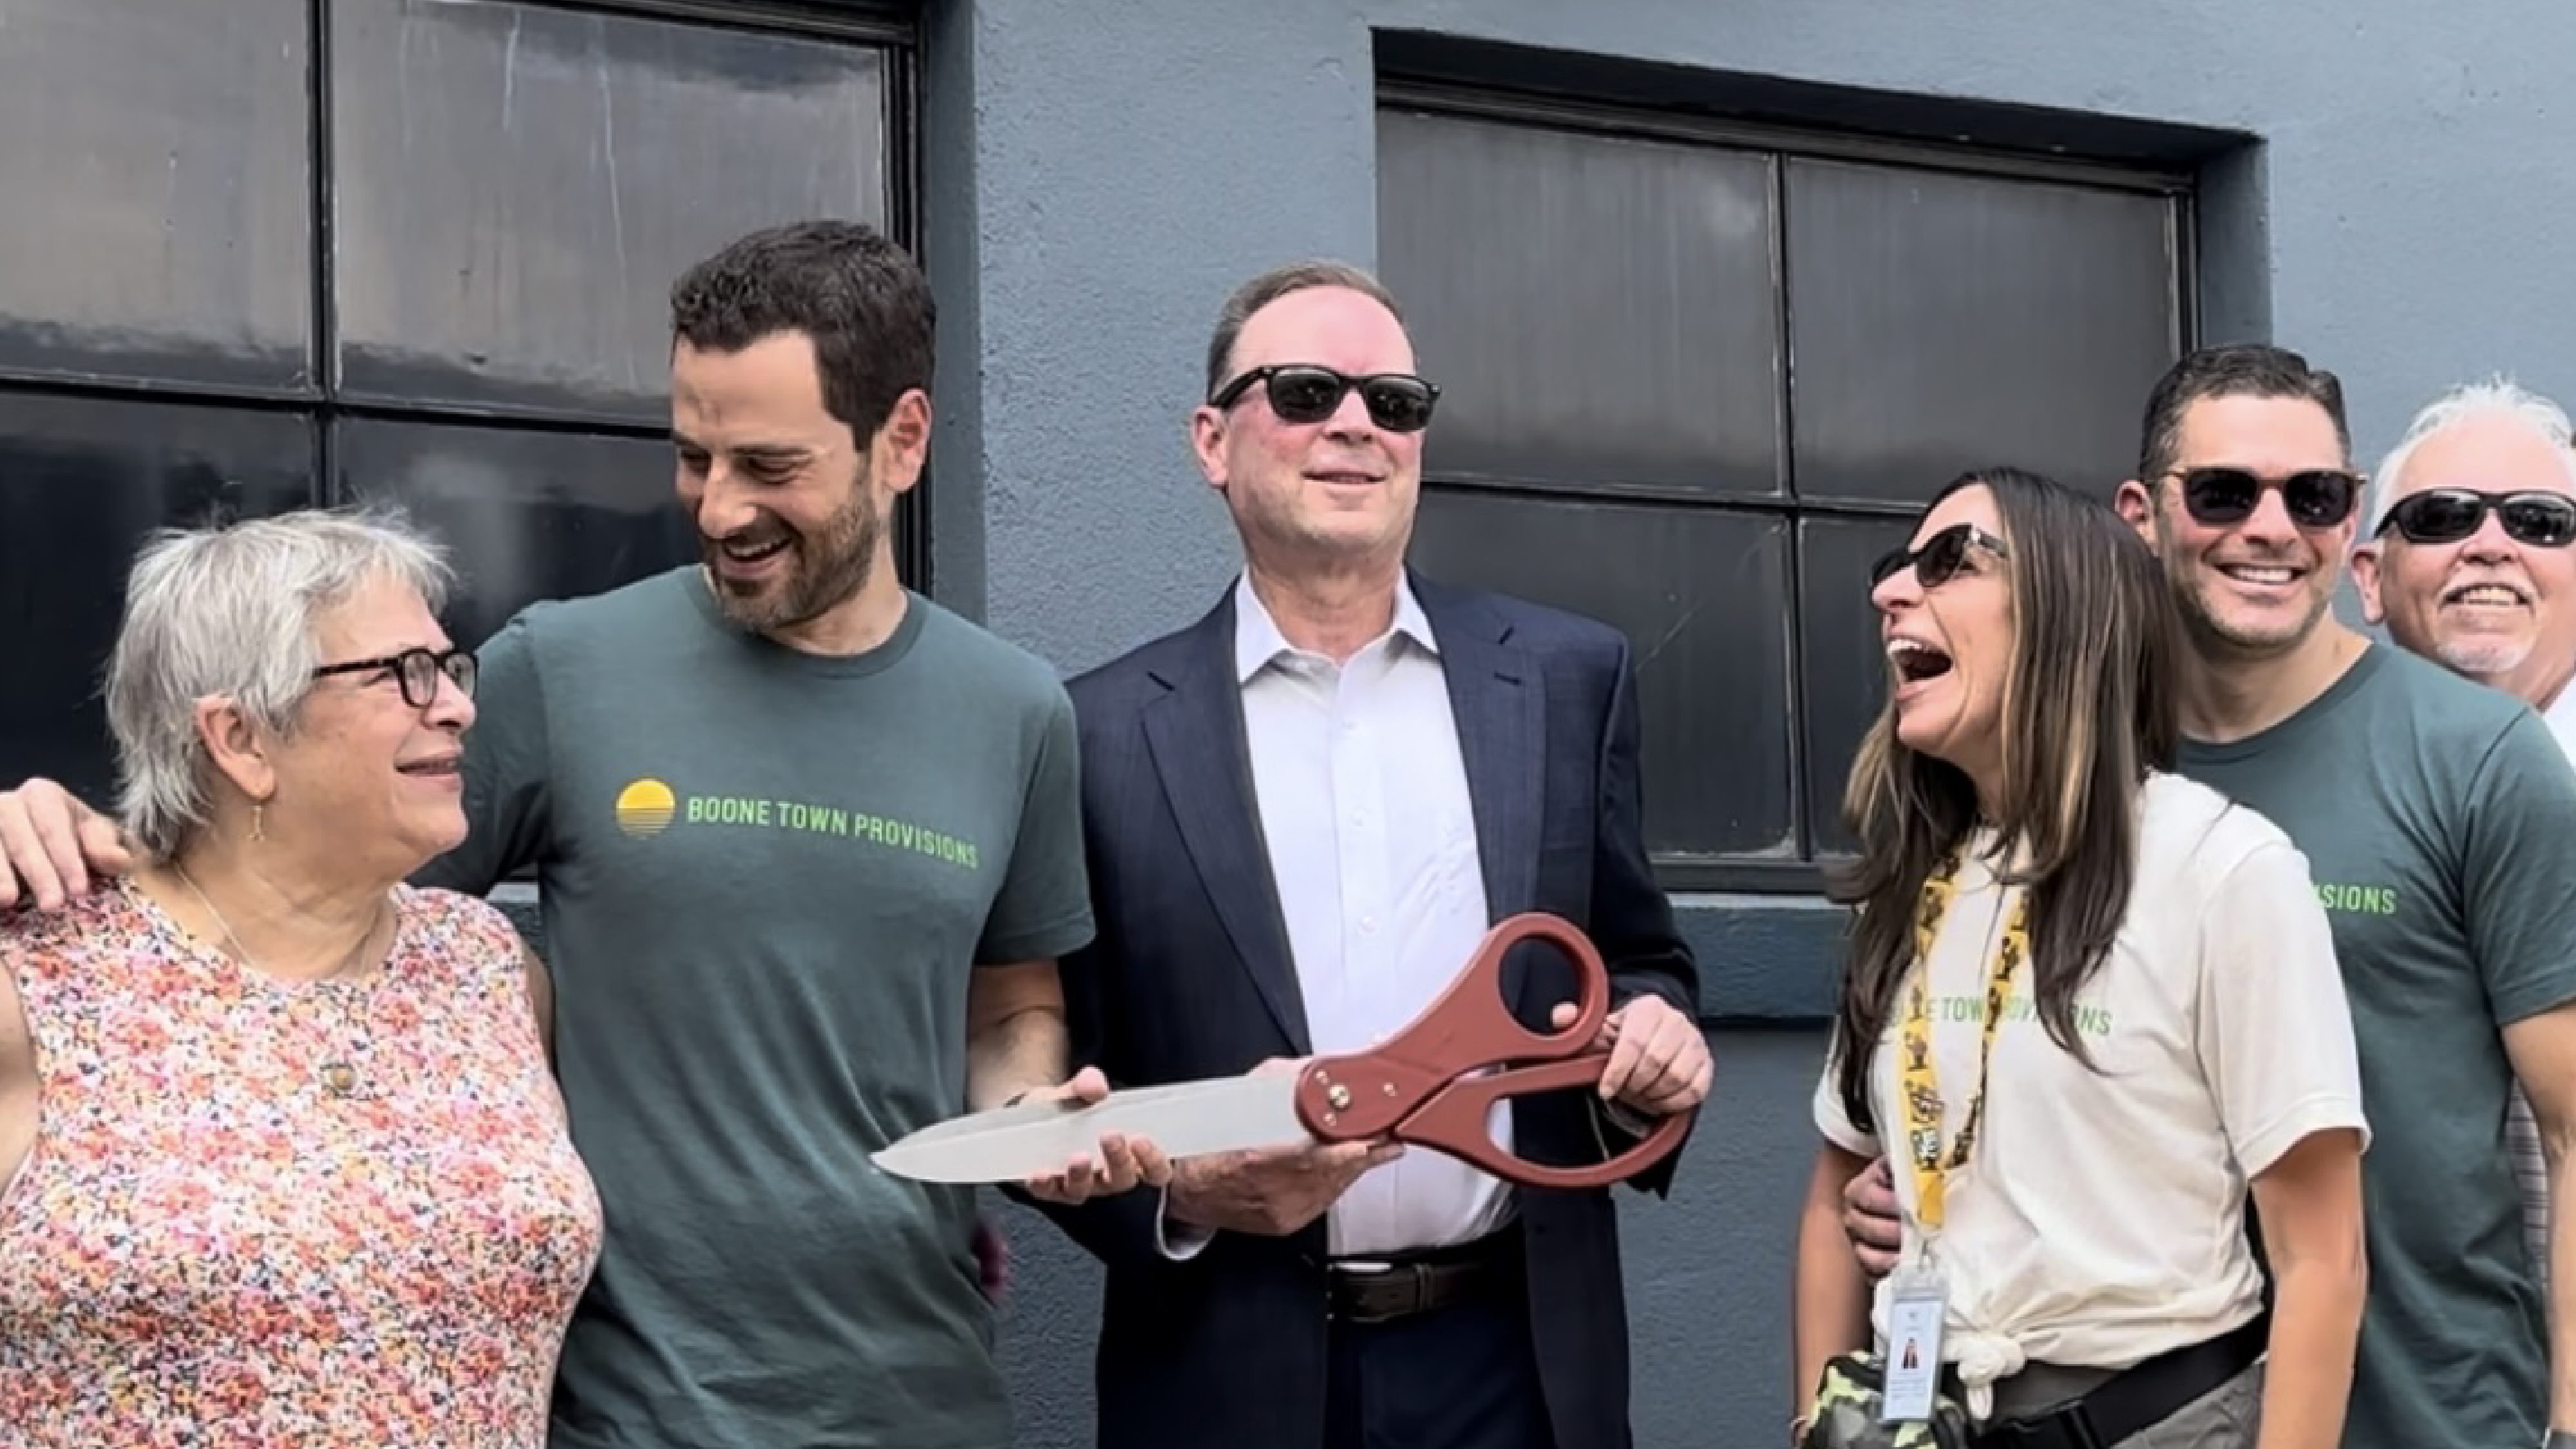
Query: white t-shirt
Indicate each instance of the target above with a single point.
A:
(2100, 1219)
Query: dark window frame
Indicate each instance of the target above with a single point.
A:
(887, 28)
(1779, 145)
(331, 422)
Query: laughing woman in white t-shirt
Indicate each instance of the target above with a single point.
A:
(2096, 1005)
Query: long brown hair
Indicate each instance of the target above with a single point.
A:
(2089, 708)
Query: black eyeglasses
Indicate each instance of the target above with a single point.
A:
(1939, 559)
(418, 670)
(2447, 515)
(1397, 401)
(2317, 498)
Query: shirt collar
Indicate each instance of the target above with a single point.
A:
(1258, 642)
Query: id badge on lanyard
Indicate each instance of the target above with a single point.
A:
(1918, 1305)
(1918, 1297)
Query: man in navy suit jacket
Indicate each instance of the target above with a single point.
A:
(1303, 812)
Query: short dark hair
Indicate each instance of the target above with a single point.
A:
(1269, 287)
(862, 299)
(2235, 369)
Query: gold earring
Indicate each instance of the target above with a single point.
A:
(258, 812)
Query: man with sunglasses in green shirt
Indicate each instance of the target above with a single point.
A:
(2439, 823)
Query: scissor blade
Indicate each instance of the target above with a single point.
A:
(1227, 1114)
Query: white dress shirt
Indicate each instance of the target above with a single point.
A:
(1363, 804)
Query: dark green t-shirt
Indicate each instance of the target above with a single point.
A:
(2438, 817)
(766, 879)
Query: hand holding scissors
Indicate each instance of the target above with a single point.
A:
(1659, 1061)
(1117, 1163)
(1272, 1191)
(1434, 1084)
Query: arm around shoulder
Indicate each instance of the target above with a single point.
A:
(54, 846)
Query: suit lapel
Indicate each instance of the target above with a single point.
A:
(1196, 736)
(1499, 701)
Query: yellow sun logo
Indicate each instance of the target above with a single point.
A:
(644, 808)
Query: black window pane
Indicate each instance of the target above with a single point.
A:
(1844, 660)
(81, 483)
(1702, 595)
(1944, 322)
(530, 515)
(159, 217)
(1599, 310)
(518, 186)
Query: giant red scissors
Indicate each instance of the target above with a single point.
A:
(1433, 1084)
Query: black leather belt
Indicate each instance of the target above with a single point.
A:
(1400, 1285)
(2137, 1398)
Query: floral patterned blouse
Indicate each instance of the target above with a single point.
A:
(278, 1214)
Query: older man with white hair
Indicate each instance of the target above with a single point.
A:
(2467, 560)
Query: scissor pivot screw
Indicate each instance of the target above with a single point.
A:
(1339, 1096)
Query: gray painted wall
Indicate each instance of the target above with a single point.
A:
(1097, 176)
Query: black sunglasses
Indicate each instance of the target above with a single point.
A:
(2447, 515)
(2317, 498)
(1396, 401)
(1939, 559)
(419, 671)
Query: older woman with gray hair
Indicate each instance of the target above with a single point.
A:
(281, 1156)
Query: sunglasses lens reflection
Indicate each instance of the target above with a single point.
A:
(2220, 496)
(1307, 395)
(1936, 563)
(2447, 515)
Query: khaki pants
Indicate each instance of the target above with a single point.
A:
(2224, 1418)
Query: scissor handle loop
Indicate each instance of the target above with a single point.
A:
(1459, 1121)
(1467, 1028)
(1422, 1085)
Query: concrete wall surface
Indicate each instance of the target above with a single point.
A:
(1097, 176)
